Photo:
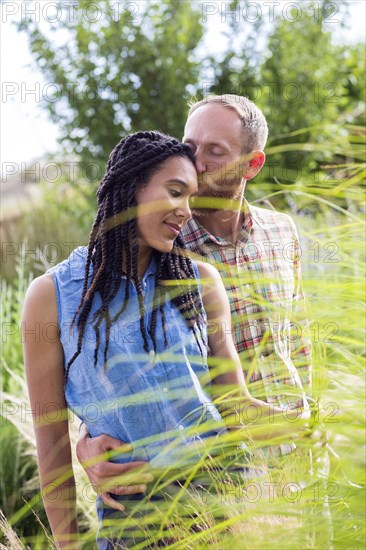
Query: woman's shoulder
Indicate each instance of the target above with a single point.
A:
(42, 287)
(207, 270)
(58, 288)
(40, 299)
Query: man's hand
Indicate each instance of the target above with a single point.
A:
(108, 477)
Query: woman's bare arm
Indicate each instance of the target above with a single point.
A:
(226, 368)
(43, 359)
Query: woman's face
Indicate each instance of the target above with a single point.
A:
(163, 204)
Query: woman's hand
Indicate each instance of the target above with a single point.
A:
(109, 477)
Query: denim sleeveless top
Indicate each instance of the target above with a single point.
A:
(157, 402)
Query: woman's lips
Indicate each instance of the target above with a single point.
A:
(174, 227)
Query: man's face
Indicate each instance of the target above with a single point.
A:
(214, 133)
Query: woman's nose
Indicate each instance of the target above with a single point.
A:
(184, 211)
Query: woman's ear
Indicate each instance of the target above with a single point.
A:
(254, 164)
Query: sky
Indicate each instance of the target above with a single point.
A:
(26, 131)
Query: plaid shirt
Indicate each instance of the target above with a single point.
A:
(261, 273)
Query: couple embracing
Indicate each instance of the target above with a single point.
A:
(169, 255)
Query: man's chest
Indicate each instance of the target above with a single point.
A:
(256, 278)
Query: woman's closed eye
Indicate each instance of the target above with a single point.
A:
(175, 193)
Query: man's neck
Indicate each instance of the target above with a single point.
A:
(223, 223)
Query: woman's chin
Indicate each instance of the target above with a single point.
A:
(164, 247)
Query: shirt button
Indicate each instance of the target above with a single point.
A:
(165, 390)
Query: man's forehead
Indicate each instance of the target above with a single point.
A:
(213, 126)
(222, 113)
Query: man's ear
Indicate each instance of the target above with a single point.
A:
(254, 164)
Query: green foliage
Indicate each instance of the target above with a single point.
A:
(307, 90)
(301, 95)
(11, 303)
(19, 481)
(120, 74)
(338, 184)
(351, 76)
(305, 83)
(136, 71)
(45, 234)
(333, 264)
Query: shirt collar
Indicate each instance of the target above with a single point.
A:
(195, 232)
(248, 221)
(151, 269)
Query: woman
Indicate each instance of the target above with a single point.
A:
(123, 324)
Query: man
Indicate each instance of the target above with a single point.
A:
(257, 254)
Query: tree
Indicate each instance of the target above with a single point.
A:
(301, 71)
(131, 71)
(298, 76)
(124, 72)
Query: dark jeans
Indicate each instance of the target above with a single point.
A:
(167, 512)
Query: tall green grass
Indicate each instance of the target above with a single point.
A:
(331, 226)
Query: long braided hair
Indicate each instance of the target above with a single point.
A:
(113, 245)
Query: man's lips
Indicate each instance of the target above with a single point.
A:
(174, 227)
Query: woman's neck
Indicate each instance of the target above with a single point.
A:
(143, 260)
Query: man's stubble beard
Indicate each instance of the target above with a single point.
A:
(230, 199)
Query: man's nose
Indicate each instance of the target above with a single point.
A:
(199, 163)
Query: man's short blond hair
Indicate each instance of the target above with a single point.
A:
(255, 128)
